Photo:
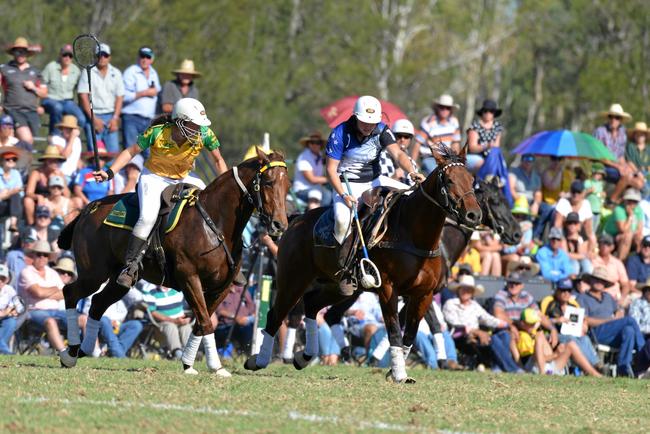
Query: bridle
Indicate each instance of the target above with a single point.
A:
(446, 202)
(256, 201)
(490, 214)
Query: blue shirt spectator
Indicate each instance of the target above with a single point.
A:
(553, 261)
(638, 264)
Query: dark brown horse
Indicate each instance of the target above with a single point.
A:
(409, 264)
(202, 253)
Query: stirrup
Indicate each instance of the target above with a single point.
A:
(129, 272)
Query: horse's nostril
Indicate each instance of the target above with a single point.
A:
(517, 236)
(471, 217)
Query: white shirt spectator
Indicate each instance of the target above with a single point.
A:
(564, 207)
(70, 165)
(469, 316)
(307, 161)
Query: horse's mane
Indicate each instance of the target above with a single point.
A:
(448, 154)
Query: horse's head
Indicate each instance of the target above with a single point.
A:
(453, 186)
(496, 214)
(269, 189)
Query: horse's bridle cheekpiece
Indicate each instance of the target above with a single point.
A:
(444, 190)
(257, 204)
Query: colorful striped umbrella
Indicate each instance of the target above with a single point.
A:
(565, 143)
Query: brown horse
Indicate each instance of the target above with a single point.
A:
(202, 253)
(409, 261)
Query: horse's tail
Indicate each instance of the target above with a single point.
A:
(65, 237)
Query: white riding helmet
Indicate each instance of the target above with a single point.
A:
(368, 109)
(403, 126)
(190, 109)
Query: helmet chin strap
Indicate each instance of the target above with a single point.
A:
(190, 134)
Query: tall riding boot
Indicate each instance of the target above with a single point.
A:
(135, 251)
(347, 281)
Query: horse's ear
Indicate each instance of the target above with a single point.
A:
(463, 151)
(435, 152)
(261, 155)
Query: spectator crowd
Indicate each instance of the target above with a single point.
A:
(585, 226)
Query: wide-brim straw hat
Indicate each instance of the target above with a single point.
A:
(66, 264)
(313, 137)
(52, 152)
(523, 264)
(68, 121)
(467, 281)
(616, 110)
(445, 100)
(599, 273)
(639, 127)
(21, 42)
(41, 246)
(187, 67)
(24, 157)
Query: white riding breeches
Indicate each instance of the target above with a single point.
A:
(343, 215)
(150, 187)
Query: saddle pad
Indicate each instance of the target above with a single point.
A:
(125, 212)
(324, 229)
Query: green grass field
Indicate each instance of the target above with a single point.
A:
(154, 396)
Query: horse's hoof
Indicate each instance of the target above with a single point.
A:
(221, 372)
(67, 361)
(191, 371)
(301, 360)
(250, 364)
(406, 380)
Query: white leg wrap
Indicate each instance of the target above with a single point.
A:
(397, 364)
(71, 316)
(311, 336)
(439, 341)
(381, 348)
(190, 350)
(289, 342)
(407, 351)
(90, 337)
(266, 350)
(339, 336)
(211, 355)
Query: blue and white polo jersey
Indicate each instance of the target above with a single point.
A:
(359, 159)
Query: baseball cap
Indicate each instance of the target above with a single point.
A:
(555, 234)
(6, 120)
(528, 157)
(56, 181)
(573, 217)
(146, 52)
(606, 238)
(29, 235)
(105, 48)
(314, 194)
(4, 271)
(564, 284)
(42, 211)
(514, 277)
(530, 316)
(577, 186)
(66, 49)
(646, 241)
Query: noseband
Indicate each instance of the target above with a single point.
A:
(257, 201)
(446, 202)
(494, 224)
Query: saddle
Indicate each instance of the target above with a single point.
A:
(373, 210)
(174, 199)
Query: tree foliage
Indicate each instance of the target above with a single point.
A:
(271, 65)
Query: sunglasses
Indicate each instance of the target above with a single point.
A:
(444, 107)
(565, 289)
(618, 118)
(42, 255)
(403, 136)
(104, 54)
(42, 216)
(528, 159)
(67, 273)
(67, 55)
(146, 56)
(12, 159)
(20, 52)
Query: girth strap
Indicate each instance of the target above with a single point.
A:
(218, 233)
(409, 248)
